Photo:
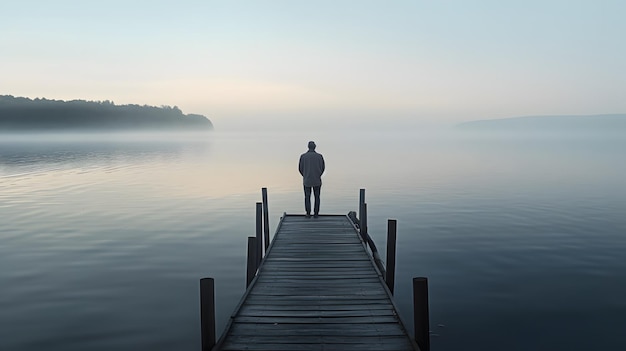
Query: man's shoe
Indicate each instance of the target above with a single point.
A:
(308, 215)
(315, 215)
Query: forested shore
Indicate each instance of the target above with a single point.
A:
(40, 114)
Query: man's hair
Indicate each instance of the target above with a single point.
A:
(311, 145)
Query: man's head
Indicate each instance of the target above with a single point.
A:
(311, 145)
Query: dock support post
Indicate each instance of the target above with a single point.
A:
(266, 219)
(361, 199)
(363, 222)
(259, 233)
(391, 254)
(207, 313)
(252, 261)
(420, 313)
(361, 203)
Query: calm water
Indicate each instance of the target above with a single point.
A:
(103, 239)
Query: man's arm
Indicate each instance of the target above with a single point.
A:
(323, 164)
(301, 167)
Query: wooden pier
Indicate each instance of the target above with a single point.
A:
(316, 288)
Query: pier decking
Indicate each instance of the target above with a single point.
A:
(317, 288)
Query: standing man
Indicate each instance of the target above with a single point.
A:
(311, 167)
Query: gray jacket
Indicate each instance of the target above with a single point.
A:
(311, 167)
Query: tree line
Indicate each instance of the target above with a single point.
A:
(21, 113)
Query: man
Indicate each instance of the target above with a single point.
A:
(311, 168)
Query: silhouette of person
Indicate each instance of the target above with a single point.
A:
(311, 167)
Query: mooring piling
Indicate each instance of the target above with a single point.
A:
(421, 313)
(362, 214)
(266, 219)
(363, 220)
(207, 313)
(391, 254)
(259, 233)
(252, 260)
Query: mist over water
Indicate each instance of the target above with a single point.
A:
(104, 237)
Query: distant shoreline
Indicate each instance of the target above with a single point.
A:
(557, 123)
(43, 115)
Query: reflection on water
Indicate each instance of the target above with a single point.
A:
(104, 238)
(39, 152)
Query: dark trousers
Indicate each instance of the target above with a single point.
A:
(307, 199)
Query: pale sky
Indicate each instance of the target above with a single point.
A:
(292, 62)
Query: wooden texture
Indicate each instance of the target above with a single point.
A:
(251, 265)
(266, 218)
(420, 313)
(316, 289)
(390, 272)
(362, 215)
(259, 233)
(207, 313)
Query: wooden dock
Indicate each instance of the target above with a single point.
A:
(316, 288)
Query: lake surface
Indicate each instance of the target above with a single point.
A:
(103, 239)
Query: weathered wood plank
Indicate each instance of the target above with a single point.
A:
(336, 301)
(277, 341)
(386, 346)
(317, 299)
(315, 285)
(288, 330)
(332, 281)
(326, 307)
(315, 313)
(297, 275)
(321, 289)
(320, 339)
(330, 294)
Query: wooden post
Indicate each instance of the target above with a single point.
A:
(207, 313)
(252, 264)
(361, 203)
(363, 221)
(391, 254)
(266, 219)
(259, 233)
(420, 313)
